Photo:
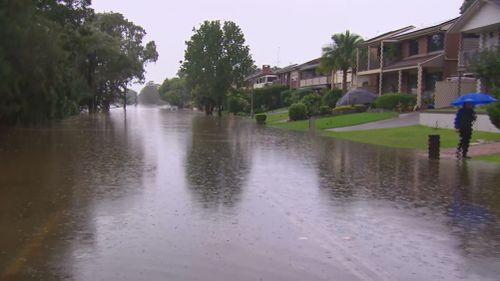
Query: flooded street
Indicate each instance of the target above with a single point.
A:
(160, 195)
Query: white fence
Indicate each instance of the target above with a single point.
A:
(446, 121)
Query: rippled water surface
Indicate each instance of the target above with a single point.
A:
(160, 195)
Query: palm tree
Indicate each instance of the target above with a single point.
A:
(341, 55)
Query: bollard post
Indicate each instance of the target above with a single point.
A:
(312, 124)
(434, 146)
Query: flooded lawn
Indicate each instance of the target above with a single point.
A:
(160, 195)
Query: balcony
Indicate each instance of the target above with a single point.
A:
(374, 64)
(316, 81)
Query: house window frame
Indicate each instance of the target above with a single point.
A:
(414, 47)
(431, 46)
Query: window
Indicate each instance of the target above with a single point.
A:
(435, 42)
(413, 47)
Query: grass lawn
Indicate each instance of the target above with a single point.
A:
(277, 116)
(409, 137)
(337, 121)
(495, 158)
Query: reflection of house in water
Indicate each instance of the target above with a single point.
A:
(462, 197)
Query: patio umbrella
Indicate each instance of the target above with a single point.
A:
(474, 98)
(357, 96)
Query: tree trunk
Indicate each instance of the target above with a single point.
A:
(344, 81)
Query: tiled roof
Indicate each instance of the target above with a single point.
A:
(410, 62)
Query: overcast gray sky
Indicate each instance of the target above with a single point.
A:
(298, 29)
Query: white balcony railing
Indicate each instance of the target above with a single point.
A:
(317, 81)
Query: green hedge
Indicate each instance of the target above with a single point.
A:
(297, 111)
(494, 109)
(269, 97)
(393, 101)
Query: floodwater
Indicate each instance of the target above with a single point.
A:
(160, 195)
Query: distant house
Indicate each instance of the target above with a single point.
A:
(410, 60)
(261, 78)
(478, 29)
(285, 76)
(308, 76)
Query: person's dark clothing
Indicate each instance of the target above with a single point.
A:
(463, 122)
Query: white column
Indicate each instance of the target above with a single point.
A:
(481, 47)
(420, 89)
(381, 80)
(400, 80)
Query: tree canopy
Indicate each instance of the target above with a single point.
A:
(341, 55)
(216, 59)
(61, 58)
(175, 91)
(465, 5)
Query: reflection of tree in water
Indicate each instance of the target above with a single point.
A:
(49, 181)
(217, 162)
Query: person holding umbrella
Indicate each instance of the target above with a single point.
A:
(465, 118)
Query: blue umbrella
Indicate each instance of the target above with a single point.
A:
(474, 98)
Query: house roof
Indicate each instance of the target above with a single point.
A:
(469, 13)
(388, 35)
(412, 62)
(286, 69)
(443, 26)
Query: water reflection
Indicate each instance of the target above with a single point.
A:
(127, 197)
(218, 161)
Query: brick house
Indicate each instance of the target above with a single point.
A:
(478, 29)
(409, 60)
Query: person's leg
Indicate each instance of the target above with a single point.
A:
(466, 142)
(460, 145)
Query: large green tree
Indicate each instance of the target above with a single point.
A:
(116, 57)
(58, 57)
(216, 59)
(341, 55)
(175, 91)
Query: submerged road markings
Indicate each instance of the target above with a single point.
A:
(30, 248)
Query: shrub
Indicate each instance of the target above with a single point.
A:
(494, 109)
(494, 113)
(297, 111)
(312, 102)
(393, 100)
(286, 97)
(325, 110)
(331, 97)
(299, 94)
(261, 118)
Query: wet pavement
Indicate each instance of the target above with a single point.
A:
(160, 195)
